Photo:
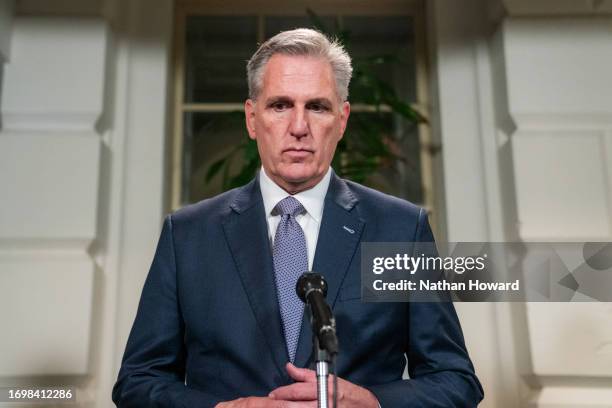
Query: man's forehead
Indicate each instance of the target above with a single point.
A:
(285, 59)
(286, 74)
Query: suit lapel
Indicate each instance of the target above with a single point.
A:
(246, 232)
(339, 236)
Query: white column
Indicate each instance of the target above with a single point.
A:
(464, 120)
(134, 169)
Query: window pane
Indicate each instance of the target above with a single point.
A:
(388, 37)
(399, 174)
(208, 138)
(217, 49)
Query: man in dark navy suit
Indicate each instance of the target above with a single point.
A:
(218, 324)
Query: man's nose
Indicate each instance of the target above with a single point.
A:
(298, 127)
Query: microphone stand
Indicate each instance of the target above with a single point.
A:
(311, 288)
(322, 359)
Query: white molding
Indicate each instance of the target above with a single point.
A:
(46, 122)
(562, 185)
(46, 302)
(111, 220)
(49, 185)
(132, 201)
(556, 72)
(51, 246)
(568, 342)
(55, 79)
(572, 397)
(543, 121)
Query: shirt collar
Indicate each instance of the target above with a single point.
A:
(312, 199)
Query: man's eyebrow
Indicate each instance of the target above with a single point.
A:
(321, 101)
(285, 99)
(275, 99)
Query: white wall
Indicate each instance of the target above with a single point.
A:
(84, 119)
(560, 99)
(524, 112)
(49, 161)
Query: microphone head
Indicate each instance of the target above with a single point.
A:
(308, 282)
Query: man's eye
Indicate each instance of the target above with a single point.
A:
(279, 106)
(317, 107)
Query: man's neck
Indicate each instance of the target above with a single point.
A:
(295, 188)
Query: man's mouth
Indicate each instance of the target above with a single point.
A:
(297, 153)
(298, 149)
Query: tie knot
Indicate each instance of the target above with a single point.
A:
(289, 206)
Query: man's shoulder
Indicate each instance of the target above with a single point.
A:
(208, 209)
(373, 201)
(389, 218)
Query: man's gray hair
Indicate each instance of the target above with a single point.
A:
(302, 42)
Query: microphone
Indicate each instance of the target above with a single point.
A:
(311, 288)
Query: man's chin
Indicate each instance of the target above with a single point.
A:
(296, 174)
(299, 177)
(300, 180)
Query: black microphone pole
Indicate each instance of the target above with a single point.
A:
(312, 289)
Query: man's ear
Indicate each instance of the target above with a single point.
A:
(249, 116)
(345, 111)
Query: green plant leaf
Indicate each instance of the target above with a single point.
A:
(214, 168)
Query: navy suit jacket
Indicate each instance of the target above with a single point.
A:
(208, 327)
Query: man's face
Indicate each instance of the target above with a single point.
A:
(297, 120)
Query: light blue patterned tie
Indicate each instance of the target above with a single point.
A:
(290, 262)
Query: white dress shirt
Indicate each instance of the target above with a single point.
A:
(312, 200)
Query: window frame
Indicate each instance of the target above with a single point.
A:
(186, 8)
